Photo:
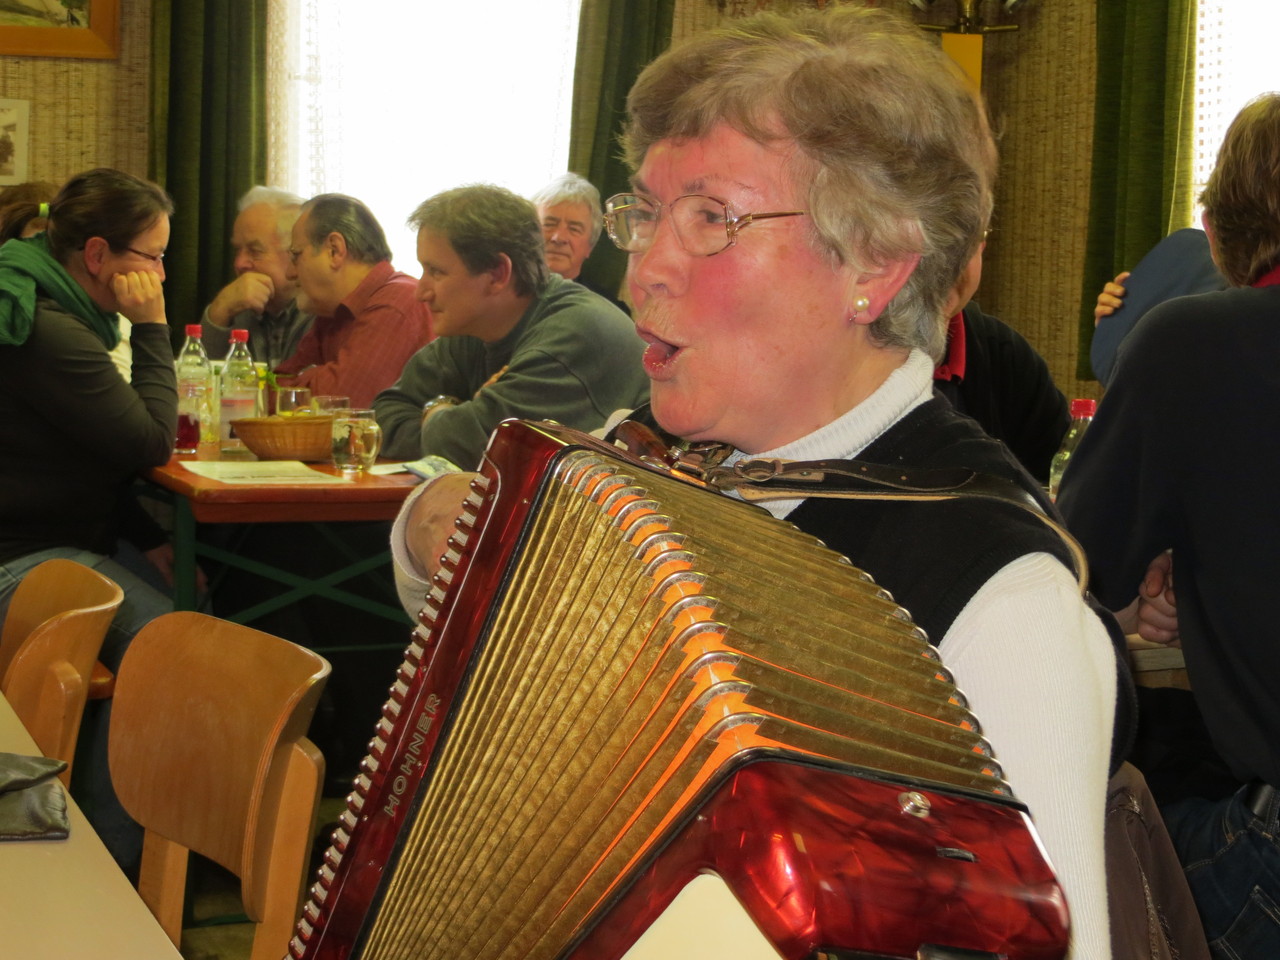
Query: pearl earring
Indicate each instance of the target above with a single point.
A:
(862, 303)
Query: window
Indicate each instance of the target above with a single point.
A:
(1235, 62)
(392, 101)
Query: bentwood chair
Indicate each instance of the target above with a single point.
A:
(57, 619)
(208, 752)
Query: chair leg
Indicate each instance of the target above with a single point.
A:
(162, 882)
(290, 846)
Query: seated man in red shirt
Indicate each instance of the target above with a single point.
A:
(368, 321)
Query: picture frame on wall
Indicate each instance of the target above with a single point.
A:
(15, 141)
(60, 28)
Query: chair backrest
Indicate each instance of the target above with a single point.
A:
(57, 619)
(208, 752)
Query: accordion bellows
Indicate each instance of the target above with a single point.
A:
(622, 680)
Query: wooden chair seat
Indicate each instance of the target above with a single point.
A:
(57, 619)
(208, 752)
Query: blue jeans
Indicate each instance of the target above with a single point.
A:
(92, 778)
(1232, 862)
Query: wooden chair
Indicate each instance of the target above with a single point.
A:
(208, 752)
(49, 646)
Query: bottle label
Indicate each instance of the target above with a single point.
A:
(234, 408)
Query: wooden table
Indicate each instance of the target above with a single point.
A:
(67, 898)
(1157, 665)
(199, 499)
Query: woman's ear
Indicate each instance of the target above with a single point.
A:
(878, 286)
(95, 252)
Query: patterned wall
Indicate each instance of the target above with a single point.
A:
(88, 113)
(1039, 84)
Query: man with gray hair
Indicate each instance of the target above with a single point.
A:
(261, 297)
(368, 320)
(515, 339)
(571, 217)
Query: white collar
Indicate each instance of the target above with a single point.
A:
(849, 434)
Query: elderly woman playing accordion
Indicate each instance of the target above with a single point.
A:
(806, 191)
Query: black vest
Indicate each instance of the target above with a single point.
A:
(933, 556)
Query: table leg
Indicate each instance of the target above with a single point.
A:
(184, 555)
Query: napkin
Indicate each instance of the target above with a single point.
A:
(32, 804)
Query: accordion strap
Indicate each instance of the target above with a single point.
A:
(760, 480)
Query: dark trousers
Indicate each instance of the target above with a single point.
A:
(1232, 861)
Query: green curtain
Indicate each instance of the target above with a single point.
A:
(616, 39)
(209, 136)
(1144, 126)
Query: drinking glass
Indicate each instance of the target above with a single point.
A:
(328, 403)
(356, 440)
(292, 400)
(196, 421)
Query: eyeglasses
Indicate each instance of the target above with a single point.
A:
(704, 225)
(153, 257)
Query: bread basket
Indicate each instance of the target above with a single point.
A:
(304, 437)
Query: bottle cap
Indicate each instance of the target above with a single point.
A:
(194, 330)
(240, 335)
(1083, 408)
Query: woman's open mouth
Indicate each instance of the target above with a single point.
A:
(658, 355)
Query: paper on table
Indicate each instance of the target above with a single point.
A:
(290, 472)
(428, 468)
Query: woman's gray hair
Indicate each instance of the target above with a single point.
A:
(571, 188)
(892, 140)
(337, 213)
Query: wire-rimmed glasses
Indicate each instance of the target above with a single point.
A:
(703, 225)
(156, 258)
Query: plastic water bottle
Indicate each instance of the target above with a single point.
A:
(239, 390)
(1082, 411)
(196, 415)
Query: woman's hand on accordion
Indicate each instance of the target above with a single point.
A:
(432, 518)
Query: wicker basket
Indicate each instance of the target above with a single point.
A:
(287, 438)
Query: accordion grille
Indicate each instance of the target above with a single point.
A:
(648, 636)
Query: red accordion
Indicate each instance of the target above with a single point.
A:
(630, 696)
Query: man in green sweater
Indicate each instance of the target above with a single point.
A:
(513, 339)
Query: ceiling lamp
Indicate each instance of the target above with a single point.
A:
(968, 19)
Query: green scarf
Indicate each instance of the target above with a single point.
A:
(28, 270)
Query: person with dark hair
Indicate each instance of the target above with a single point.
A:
(74, 431)
(24, 212)
(1177, 474)
(22, 209)
(992, 374)
(261, 297)
(516, 340)
(368, 320)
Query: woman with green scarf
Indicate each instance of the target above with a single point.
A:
(74, 432)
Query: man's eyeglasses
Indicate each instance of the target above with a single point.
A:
(704, 226)
(156, 258)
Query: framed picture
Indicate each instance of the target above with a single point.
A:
(15, 140)
(60, 28)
